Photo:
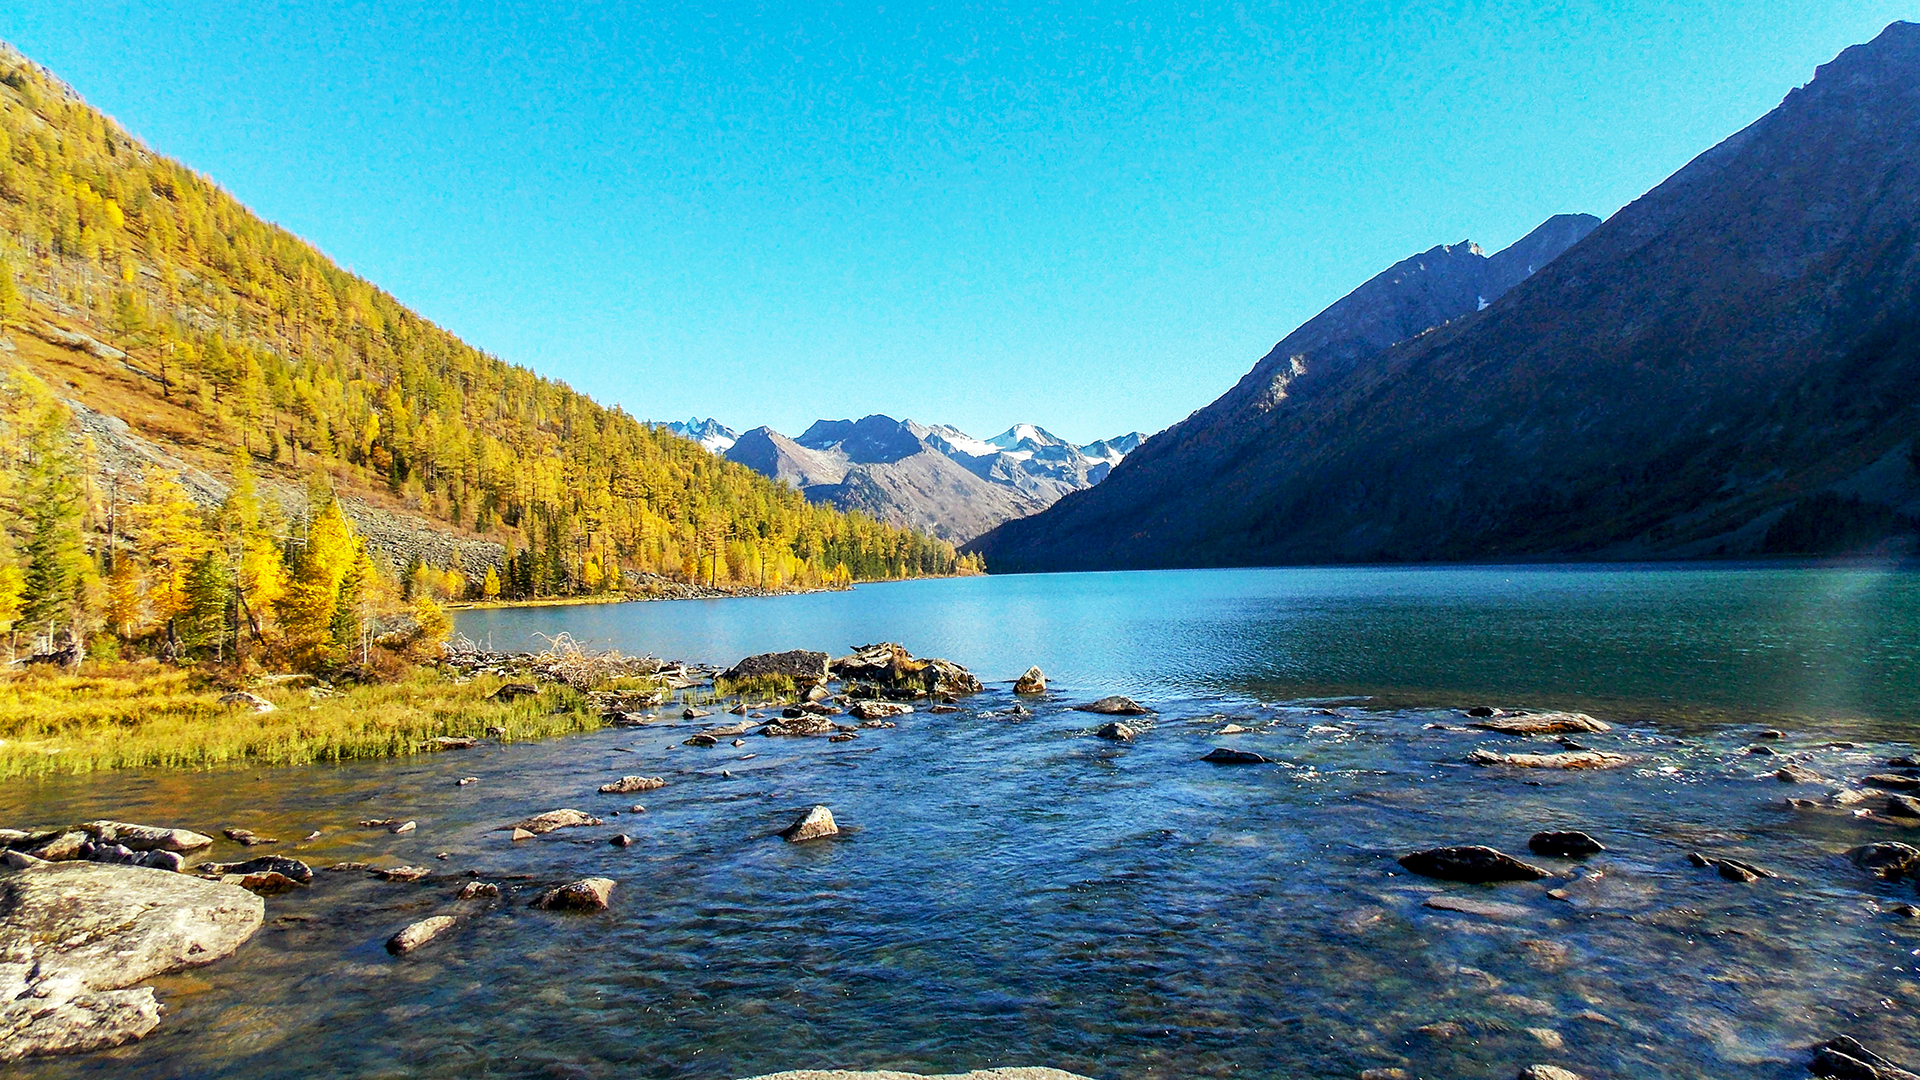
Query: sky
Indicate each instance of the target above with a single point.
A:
(1090, 216)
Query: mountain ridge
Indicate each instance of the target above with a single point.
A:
(936, 478)
(1683, 381)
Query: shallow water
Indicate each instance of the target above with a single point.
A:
(1014, 891)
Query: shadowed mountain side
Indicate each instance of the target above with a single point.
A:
(1724, 367)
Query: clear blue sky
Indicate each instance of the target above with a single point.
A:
(1086, 215)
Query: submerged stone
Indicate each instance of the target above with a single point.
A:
(1565, 845)
(1115, 705)
(1472, 863)
(1221, 755)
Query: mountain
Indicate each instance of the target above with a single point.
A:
(1726, 366)
(712, 434)
(180, 331)
(938, 479)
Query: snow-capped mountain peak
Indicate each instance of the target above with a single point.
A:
(710, 433)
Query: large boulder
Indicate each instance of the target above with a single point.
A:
(75, 935)
(803, 667)
(1471, 863)
(1032, 681)
(878, 710)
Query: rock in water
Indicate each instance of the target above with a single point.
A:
(292, 869)
(701, 740)
(1731, 869)
(1893, 782)
(1032, 681)
(400, 873)
(1552, 723)
(816, 823)
(1027, 1073)
(1115, 705)
(247, 837)
(1794, 774)
(805, 668)
(892, 666)
(587, 894)
(478, 890)
(1548, 1072)
(540, 824)
(1905, 806)
(1847, 1059)
(1888, 860)
(1221, 755)
(1566, 759)
(1564, 845)
(1471, 863)
(147, 837)
(877, 710)
(74, 935)
(1116, 731)
(418, 934)
(629, 784)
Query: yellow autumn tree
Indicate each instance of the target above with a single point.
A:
(312, 593)
(490, 588)
(255, 564)
(171, 537)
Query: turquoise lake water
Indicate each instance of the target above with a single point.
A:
(1011, 889)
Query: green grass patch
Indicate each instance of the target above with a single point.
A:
(146, 715)
(757, 686)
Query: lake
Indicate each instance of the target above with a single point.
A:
(1010, 889)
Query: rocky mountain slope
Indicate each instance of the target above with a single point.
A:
(1726, 366)
(179, 327)
(938, 479)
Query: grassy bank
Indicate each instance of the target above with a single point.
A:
(147, 715)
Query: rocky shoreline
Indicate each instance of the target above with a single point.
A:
(70, 893)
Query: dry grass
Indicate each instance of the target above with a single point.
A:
(146, 715)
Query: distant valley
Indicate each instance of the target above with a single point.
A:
(938, 479)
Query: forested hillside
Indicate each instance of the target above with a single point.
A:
(133, 287)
